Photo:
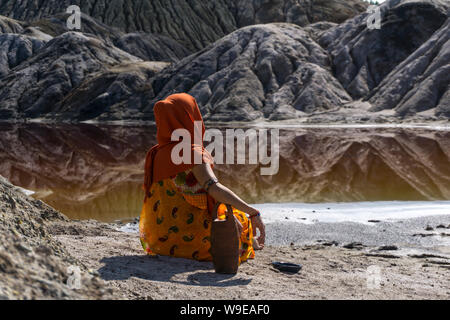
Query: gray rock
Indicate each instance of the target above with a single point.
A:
(56, 25)
(109, 94)
(152, 47)
(299, 12)
(35, 86)
(195, 23)
(362, 57)
(16, 48)
(273, 71)
(32, 264)
(8, 25)
(316, 30)
(421, 82)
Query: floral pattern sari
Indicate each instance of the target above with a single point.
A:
(175, 221)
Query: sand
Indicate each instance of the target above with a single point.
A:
(329, 271)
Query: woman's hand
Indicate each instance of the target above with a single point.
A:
(204, 173)
(258, 224)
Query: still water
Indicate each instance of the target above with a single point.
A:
(96, 171)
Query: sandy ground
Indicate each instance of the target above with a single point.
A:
(329, 271)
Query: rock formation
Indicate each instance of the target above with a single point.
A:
(32, 264)
(147, 46)
(421, 82)
(295, 66)
(273, 71)
(35, 86)
(152, 47)
(8, 25)
(15, 49)
(110, 95)
(363, 57)
(194, 24)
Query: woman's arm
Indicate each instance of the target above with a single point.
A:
(204, 173)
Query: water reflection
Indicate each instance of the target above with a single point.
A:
(89, 171)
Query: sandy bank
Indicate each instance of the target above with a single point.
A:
(407, 259)
(329, 271)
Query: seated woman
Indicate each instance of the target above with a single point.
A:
(179, 198)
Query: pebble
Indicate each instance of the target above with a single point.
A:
(388, 248)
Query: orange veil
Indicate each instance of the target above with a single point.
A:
(178, 111)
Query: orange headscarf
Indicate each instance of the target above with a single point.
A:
(178, 111)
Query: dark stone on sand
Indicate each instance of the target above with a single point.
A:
(330, 243)
(423, 235)
(388, 248)
(426, 255)
(381, 255)
(354, 245)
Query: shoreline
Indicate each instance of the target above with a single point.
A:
(41, 245)
(291, 124)
(329, 271)
(373, 224)
(335, 264)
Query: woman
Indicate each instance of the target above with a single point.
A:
(176, 216)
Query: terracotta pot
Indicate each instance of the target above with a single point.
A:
(225, 242)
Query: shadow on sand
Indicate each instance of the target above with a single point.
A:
(167, 269)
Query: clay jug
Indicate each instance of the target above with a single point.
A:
(225, 242)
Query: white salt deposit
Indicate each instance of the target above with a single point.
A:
(358, 212)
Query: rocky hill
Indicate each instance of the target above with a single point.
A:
(193, 23)
(273, 71)
(147, 46)
(10, 25)
(309, 61)
(33, 88)
(421, 82)
(414, 34)
(32, 264)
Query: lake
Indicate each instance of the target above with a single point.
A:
(96, 171)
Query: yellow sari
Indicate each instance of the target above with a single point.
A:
(175, 223)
